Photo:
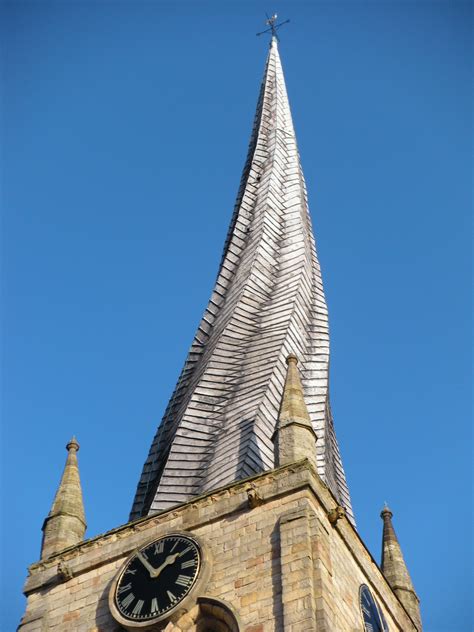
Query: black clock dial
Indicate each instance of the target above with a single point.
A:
(373, 622)
(157, 578)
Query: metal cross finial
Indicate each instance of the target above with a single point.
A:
(273, 27)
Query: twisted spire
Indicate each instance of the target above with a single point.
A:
(268, 301)
(65, 524)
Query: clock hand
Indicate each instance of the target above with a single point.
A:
(169, 560)
(146, 564)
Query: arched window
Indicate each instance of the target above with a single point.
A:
(210, 615)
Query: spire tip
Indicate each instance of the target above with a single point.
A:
(273, 28)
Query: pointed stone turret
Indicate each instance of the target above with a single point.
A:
(294, 437)
(395, 569)
(66, 523)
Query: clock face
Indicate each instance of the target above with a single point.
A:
(373, 620)
(157, 578)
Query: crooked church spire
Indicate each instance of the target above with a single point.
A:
(268, 302)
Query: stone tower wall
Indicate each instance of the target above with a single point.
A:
(277, 562)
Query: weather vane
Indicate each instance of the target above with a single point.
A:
(273, 28)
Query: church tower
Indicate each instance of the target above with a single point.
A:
(242, 519)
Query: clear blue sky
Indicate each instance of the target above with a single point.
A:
(125, 127)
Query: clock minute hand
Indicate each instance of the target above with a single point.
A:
(146, 564)
(169, 560)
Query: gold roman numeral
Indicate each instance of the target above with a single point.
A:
(128, 600)
(183, 580)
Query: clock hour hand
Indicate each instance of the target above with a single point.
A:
(146, 564)
(169, 560)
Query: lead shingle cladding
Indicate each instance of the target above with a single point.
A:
(268, 302)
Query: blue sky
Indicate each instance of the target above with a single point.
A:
(125, 127)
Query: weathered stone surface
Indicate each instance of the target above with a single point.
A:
(65, 524)
(279, 566)
(294, 437)
(395, 569)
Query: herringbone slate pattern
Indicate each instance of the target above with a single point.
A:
(268, 302)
